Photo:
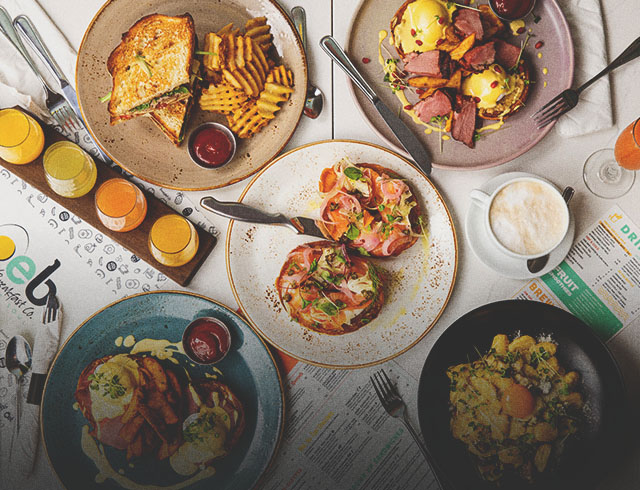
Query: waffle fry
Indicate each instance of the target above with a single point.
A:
(247, 85)
(279, 74)
(228, 29)
(270, 98)
(222, 98)
(242, 79)
(247, 121)
(258, 29)
(212, 44)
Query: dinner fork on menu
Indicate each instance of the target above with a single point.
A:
(395, 406)
(57, 105)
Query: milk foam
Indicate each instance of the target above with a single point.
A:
(528, 218)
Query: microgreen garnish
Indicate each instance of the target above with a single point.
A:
(353, 232)
(112, 387)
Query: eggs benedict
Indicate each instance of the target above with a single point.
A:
(496, 92)
(419, 25)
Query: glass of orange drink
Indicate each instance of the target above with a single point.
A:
(21, 137)
(121, 205)
(610, 173)
(173, 240)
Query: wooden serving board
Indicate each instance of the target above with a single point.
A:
(135, 240)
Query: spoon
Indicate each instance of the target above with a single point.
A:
(17, 358)
(537, 264)
(314, 102)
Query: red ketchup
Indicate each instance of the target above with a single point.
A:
(206, 340)
(512, 9)
(212, 147)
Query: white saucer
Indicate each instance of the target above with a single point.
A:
(480, 242)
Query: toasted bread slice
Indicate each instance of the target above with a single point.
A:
(151, 65)
(171, 119)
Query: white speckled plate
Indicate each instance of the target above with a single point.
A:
(422, 276)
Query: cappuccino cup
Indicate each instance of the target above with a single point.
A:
(525, 217)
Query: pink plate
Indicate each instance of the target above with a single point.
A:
(518, 134)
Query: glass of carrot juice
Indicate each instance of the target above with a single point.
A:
(121, 205)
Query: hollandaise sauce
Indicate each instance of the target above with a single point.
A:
(95, 452)
(422, 25)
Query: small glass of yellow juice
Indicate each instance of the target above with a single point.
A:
(70, 171)
(21, 137)
(121, 205)
(173, 240)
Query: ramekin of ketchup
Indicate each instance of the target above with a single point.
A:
(206, 340)
(512, 9)
(212, 145)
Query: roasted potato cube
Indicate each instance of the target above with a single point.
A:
(542, 457)
(500, 344)
(545, 432)
(522, 344)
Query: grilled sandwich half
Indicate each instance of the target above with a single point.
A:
(151, 67)
(172, 119)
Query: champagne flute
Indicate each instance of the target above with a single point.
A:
(610, 173)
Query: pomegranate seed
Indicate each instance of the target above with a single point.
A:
(494, 84)
(402, 88)
(497, 69)
(418, 42)
(419, 91)
(408, 107)
(413, 32)
(366, 60)
(476, 100)
(539, 44)
(439, 42)
(521, 30)
(440, 21)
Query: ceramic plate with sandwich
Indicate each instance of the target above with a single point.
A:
(148, 78)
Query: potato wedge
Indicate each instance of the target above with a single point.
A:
(428, 82)
(158, 375)
(459, 51)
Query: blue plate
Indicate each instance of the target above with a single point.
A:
(249, 370)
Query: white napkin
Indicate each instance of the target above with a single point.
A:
(25, 446)
(16, 73)
(593, 112)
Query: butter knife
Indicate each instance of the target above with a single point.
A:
(244, 212)
(403, 133)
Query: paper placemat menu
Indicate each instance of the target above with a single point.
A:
(599, 280)
(337, 435)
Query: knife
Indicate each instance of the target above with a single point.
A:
(243, 212)
(400, 129)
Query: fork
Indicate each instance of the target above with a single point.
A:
(59, 108)
(50, 313)
(36, 385)
(568, 99)
(395, 406)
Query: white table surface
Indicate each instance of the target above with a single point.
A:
(558, 159)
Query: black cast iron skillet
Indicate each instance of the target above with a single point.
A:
(584, 461)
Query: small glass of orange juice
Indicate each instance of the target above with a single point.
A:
(121, 205)
(173, 240)
(21, 137)
(69, 170)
